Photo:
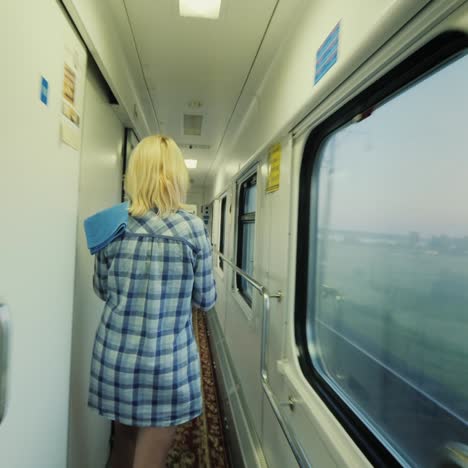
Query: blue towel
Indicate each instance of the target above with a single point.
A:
(103, 227)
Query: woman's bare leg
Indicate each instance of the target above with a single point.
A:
(152, 446)
(123, 448)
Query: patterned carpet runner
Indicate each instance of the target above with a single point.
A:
(200, 443)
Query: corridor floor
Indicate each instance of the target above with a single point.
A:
(200, 443)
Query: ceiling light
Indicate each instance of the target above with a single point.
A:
(200, 8)
(191, 163)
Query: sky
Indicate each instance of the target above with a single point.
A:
(405, 168)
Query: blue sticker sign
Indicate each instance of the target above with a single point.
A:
(327, 54)
(44, 91)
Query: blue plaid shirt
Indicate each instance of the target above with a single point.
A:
(145, 368)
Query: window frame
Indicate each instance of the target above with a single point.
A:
(430, 57)
(248, 218)
(222, 230)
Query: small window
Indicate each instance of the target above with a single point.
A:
(246, 234)
(222, 230)
(387, 284)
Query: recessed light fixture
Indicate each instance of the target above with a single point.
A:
(191, 163)
(193, 124)
(200, 8)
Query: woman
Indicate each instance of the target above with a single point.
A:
(145, 372)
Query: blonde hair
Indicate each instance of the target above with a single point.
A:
(157, 177)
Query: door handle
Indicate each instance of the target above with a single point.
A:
(4, 357)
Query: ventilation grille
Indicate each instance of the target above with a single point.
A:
(193, 124)
(194, 146)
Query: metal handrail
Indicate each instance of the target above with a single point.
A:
(296, 447)
(4, 358)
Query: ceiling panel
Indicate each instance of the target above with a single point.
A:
(186, 59)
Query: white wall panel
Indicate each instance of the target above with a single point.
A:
(218, 272)
(223, 275)
(39, 202)
(104, 26)
(100, 187)
(288, 93)
(195, 197)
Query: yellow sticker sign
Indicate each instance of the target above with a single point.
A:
(274, 164)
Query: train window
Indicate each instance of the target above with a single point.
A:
(386, 308)
(246, 234)
(222, 229)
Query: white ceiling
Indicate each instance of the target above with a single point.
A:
(186, 59)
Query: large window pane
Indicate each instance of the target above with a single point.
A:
(388, 307)
(246, 233)
(250, 199)
(248, 238)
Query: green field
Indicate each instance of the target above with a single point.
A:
(405, 305)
